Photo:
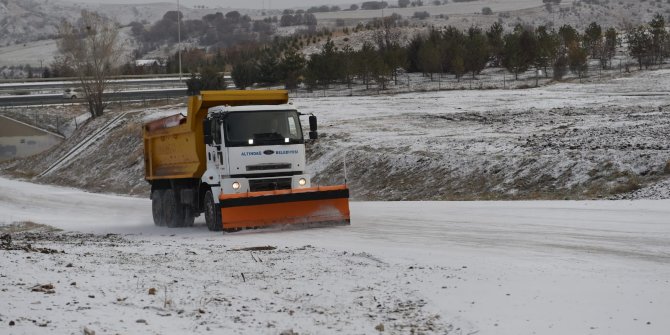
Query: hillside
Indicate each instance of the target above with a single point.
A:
(24, 21)
(27, 27)
(562, 141)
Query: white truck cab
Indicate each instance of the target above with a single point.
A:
(255, 148)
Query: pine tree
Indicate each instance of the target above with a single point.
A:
(346, 62)
(451, 47)
(593, 39)
(268, 67)
(244, 74)
(611, 42)
(577, 60)
(659, 37)
(292, 66)
(458, 66)
(477, 49)
(329, 66)
(513, 59)
(208, 79)
(413, 53)
(365, 61)
(494, 36)
(569, 36)
(640, 45)
(395, 58)
(322, 68)
(560, 67)
(429, 59)
(547, 48)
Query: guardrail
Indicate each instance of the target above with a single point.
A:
(33, 88)
(141, 76)
(124, 96)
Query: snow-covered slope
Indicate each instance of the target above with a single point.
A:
(412, 267)
(566, 140)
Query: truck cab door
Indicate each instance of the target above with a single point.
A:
(213, 141)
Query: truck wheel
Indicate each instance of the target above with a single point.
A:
(188, 218)
(157, 207)
(174, 212)
(212, 213)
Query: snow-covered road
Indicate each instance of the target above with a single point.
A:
(544, 267)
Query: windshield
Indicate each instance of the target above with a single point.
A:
(262, 128)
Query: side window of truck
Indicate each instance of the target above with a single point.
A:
(216, 131)
(292, 127)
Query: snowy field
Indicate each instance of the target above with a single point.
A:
(28, 53)
(450, 8)
(592, 267)
(562, 140)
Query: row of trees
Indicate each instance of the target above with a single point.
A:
(89, 49)
(217, 30)
(298, 19)
(456, 52)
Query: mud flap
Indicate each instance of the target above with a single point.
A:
(317, 205)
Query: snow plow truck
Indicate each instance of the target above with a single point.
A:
(239, 158)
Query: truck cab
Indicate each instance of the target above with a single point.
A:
(255, 148)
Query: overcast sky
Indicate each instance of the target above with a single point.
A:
(274, 4)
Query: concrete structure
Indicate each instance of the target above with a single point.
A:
(18, 139)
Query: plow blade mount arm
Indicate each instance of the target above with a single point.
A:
(316, 205)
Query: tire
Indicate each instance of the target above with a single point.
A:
(157, 209)
(212, 213)
(174, 211)
(188, 219)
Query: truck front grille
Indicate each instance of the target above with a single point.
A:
(264, 167)
(269, 184)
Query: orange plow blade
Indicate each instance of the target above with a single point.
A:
(316, 205)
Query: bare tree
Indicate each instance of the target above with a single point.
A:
(388, 35)
(92, 48)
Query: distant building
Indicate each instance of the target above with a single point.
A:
(149, 63)
(148, 66)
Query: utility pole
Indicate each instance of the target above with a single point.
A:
(179, 36)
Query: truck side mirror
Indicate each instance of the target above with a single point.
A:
(207, 131)
(313, 134)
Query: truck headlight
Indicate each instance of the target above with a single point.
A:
(302, 182)
(236, 185)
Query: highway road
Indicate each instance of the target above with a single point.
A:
(50, 99)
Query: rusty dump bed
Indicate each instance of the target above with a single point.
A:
(324, 204)
(174, 146)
